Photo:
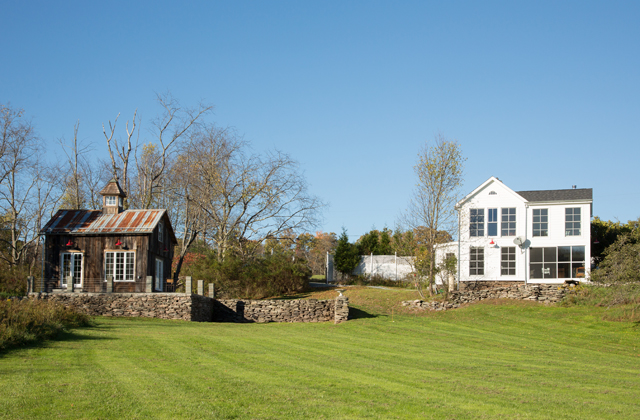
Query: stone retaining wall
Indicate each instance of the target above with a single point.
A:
(296, 310)
(191, 307)
(547, 293)
(183, 306)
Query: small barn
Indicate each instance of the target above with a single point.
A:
(88, 250)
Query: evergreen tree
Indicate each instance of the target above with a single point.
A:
(346, 257)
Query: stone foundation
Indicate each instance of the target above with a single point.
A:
(547, 293)
(485, 285)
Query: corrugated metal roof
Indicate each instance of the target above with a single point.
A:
(558, 195)
(92, 222)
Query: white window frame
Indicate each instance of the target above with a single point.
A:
(508, 264)
(73, 256)
(159, 274)
(476, 265)
(492, 221)
(540, 222)
(572, 221)
(110, 200)
(128, 266)
(508, 221)
(476, 223)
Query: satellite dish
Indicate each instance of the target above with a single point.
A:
(519, 240)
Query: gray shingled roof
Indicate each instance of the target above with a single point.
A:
(558, 195)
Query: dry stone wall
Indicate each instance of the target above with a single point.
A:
(547, 293)
(297, 310)
(191, 307)
(183, 306)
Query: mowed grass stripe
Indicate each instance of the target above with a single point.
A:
(486, 361)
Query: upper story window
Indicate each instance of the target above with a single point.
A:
(160, 232)
(508, 225)
(111, 200)
(492, 223)
(572, 221)
(540, 222)
(476, 222)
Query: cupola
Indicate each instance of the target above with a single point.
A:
(112, 198)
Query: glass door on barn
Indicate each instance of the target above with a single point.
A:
(71, 266)
(159, 274)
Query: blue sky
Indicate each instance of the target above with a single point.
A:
(543, 95)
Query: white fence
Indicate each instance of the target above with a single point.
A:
(390, 267)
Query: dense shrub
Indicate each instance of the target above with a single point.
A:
(13, 282)
(621, 300)
(26, 320)
(255, 278)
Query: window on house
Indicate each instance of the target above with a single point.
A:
(160, 232)
(492, 222)
(120, 265)
(476, 222)
(508, 225)
(508, 261)
(572, 221)
(557, 262)
(540, 222)
(476, 261)
(111, 200)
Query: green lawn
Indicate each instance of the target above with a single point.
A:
(485, 361)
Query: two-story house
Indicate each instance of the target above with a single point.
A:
(522, 236)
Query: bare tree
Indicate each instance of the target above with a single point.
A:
(249, 198)
(27, 188)
(439, 170)
(75, 195)
(120, 166)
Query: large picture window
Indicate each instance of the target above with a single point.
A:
(120, 265)
(508, 225)
(476, 222)
(476, 261)
(540, 222)
(492, 222)
(561, 262)
(572, 221)
(508, 261)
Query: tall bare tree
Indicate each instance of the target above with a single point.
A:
(432, 206)
(249, 198)
(27, 188)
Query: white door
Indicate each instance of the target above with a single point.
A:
(71, 265)
(159, 275)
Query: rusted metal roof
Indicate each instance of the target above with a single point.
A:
(113, 188)
(94, 222)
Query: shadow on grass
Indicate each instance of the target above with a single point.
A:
(355, 313)
(70, 336)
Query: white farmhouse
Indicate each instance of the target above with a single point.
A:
(524, 236)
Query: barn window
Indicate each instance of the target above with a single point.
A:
(111, 200)
(120, 265)
(160, 232)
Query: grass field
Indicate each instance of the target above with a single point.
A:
(492, 360)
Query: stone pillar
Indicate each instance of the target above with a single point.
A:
(341, 313)
(212, 291)
(187, 285)
(29, 284)
(149, 285)
(201, 287)
(109, 284)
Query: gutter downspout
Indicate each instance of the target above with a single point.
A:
(526, 213)
(458, 285)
